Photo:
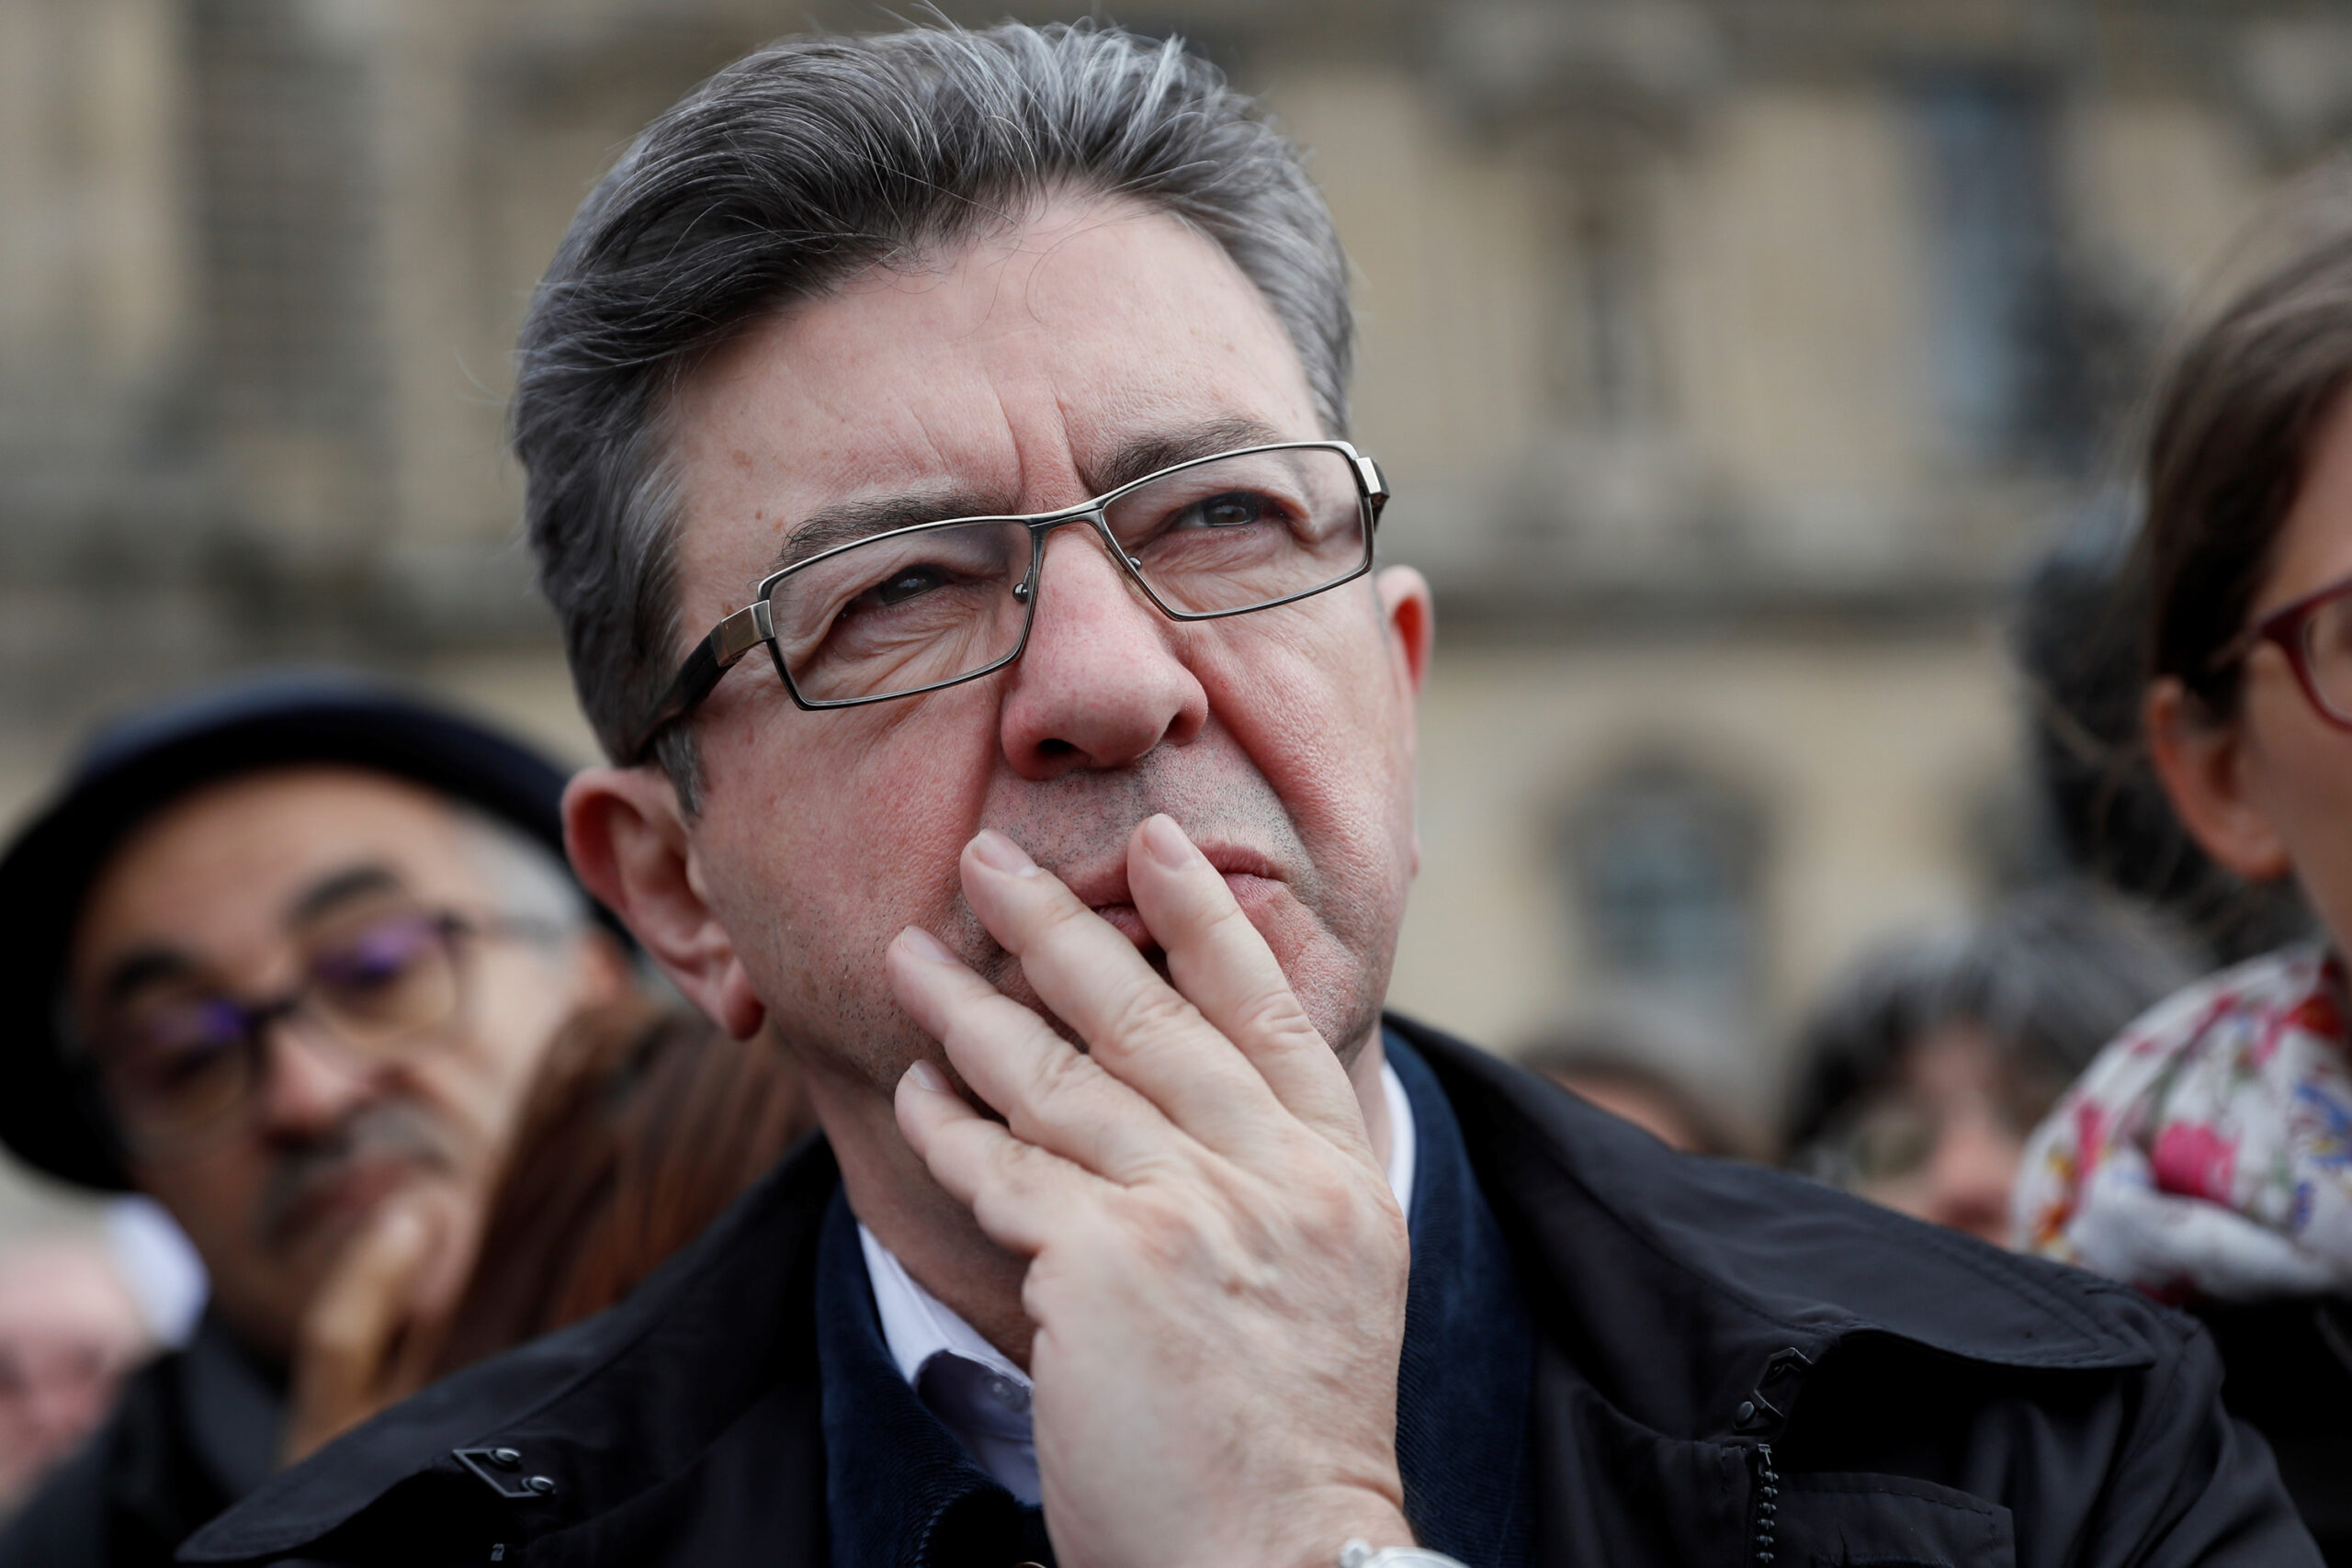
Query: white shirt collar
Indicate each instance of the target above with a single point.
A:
(978, 1391)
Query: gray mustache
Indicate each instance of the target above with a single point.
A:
(378, 1132)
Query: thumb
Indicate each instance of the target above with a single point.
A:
(347, 1335)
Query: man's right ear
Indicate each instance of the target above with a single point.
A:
(629, 841)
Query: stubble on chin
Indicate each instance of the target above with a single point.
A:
(1085, 821)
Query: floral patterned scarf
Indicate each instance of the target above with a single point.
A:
(2208, 1150)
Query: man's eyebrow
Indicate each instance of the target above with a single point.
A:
(846, 522)
(338, 887)
(157, 965)
(1164, 449)
(142, 967)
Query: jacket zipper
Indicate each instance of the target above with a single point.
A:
(1768, 1506)
(1761, 1416)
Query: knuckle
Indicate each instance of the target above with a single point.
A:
(1277, 1018)
(1160, 1227)
(1329, 1205)
(1333, 1201)
(1060, 1073)
(1058, 911)
(338, 1338)
(1148, 1016)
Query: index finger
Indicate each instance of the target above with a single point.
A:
(1136, 1025)
(1220, 962)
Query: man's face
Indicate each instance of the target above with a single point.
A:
(1022, 374)
(244, 892)
(69, 1330)
(1944, 1141)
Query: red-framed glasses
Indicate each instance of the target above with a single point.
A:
(2315, 634)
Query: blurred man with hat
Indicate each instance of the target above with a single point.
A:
(286, 955)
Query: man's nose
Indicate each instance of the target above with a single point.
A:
(1099, 684)
(1971, 1177)
(307, 1088)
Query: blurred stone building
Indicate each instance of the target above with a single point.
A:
(1729, 358)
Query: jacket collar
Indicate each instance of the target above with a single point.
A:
(900, 1490)
(1466, 1375)
(1718, 1271)
(603, 1409)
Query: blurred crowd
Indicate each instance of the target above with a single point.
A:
(328, 993)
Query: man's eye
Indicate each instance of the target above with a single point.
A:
(171, 1046)
(900, 586)
(379, 958)
(1237, 509)
(1892, 1141)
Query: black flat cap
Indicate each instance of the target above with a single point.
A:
(50, 1114)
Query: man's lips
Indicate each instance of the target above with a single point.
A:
(1255, 882)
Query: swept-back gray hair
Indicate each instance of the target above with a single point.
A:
(804, 164)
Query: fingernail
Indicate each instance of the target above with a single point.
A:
(923, 944)
(1167, 842)
(998, 852)
(927, 1077)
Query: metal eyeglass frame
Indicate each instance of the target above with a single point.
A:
(753, 625)
(2289, 627)
(457, 930)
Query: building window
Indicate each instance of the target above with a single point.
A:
(2031, 352)
(1605, 363)
(1663, 866)
(1993, 233)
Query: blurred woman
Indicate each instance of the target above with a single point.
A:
(2206, 1157)
(642, 1127)
(1924, 1067)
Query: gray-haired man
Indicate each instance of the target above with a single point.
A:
(286, 953)
(934, 447)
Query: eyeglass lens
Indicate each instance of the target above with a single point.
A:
(1895, 1135)
(916, 609)
(179, 1058)
(2328, 655)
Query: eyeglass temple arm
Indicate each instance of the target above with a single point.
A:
(713, 656)
(1375, 485)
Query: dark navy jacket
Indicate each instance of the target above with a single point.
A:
(1730, 1367)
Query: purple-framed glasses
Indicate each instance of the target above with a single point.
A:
(2315, 634)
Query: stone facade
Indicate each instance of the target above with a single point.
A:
(1728, 359)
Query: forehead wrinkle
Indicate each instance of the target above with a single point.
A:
(840, 521)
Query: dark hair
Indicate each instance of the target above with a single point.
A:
(801, 166)
(2227, 451)
(642, 1125)
(2050, 978)
(2077, 630)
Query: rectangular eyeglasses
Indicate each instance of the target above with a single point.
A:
(935, 604)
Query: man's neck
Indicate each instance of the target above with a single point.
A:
(935, 1237)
